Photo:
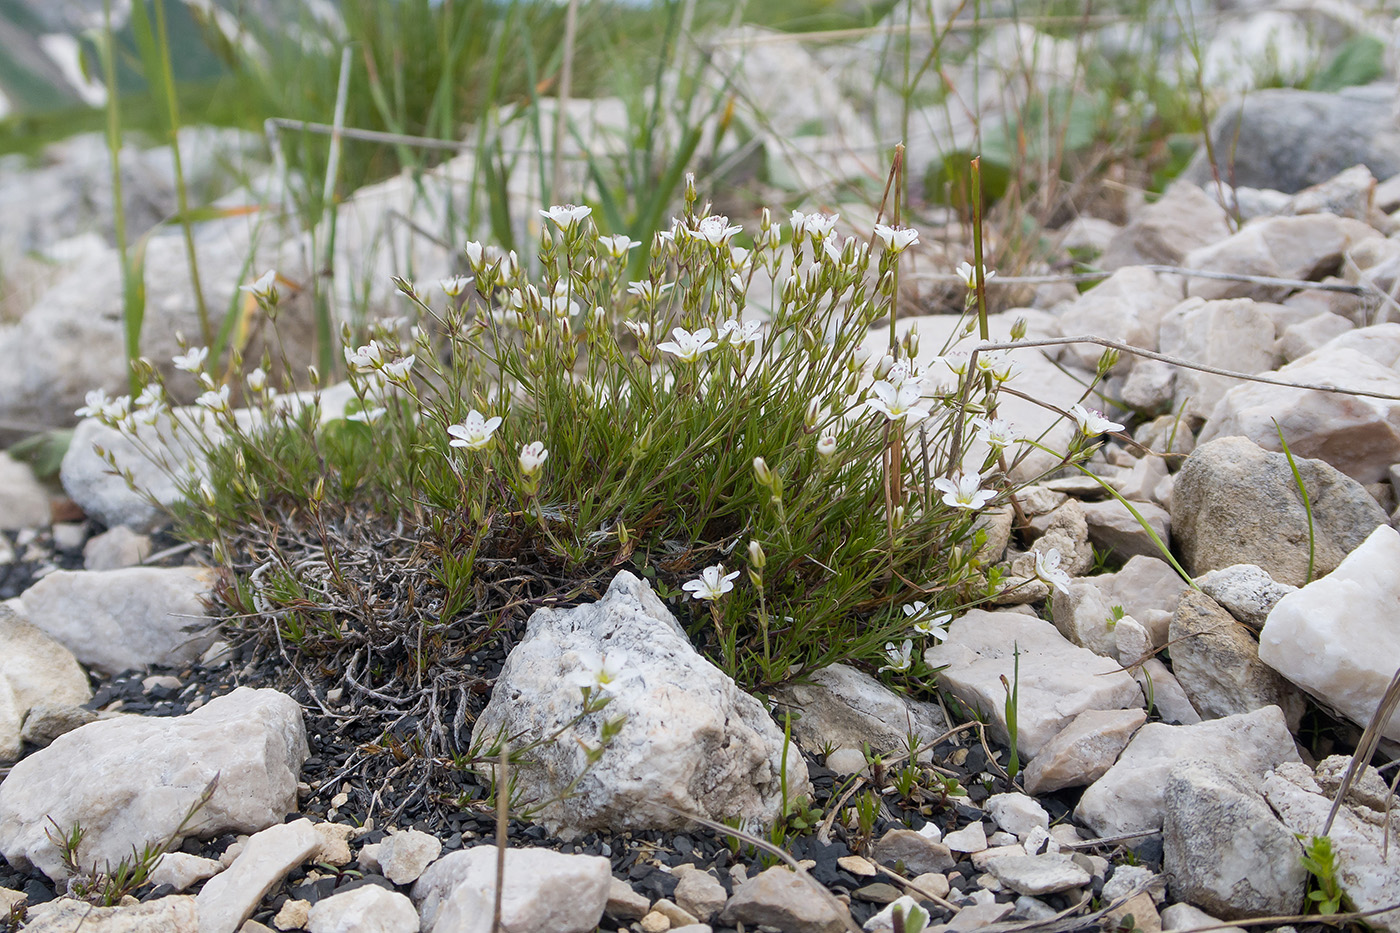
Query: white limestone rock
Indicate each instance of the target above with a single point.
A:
(24, 502)
(1358, 435)
(174, 914)
(1236, 335)
(972, 838)
(1038, 874)
(1148, 588)
(1283, 247)
(1366, 872)
(1186, 917)
(1245, 591)
(779, 898)
(1298, 340)
(844, 707)
(692, 740)
(1162, 233)
(116, 548)
(1337, 637)
(1165, 694)
(115, 620)
(1112, 525)
(1129, 796)
(180, 870)
(543, 890)
(1216, 661)
(130, 781)
(231, 896)
(35, 671)
(1082, 751)
(1127, 307)
(1017, 813)
(1237, 503)
(404, 855)
(367, 909)
(1057, 680)
(1224, 849)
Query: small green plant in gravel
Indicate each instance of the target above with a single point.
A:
(1325, 894)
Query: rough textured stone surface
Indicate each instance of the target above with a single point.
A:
(368, 909)
(844, 707)
(1364, 869)
(1305, 247)
(24, 502)
(543, 890)
(1245, 591)
(692, 740)
(404, 855)
(700, 893)
(1165, 692)
(231, 896)
(1338, 638)
(1129, 797)
(1182, 219)
(1216, 661)
(1298, 340)
(1224, 848)
(1148, 589)
(1186, 917)
(175, 914)
(778, 897)
(1359, 436)
(1017, 814)
(130, 781)
(919, 853)
(114, 620)
(180, 870)
(44, 722)
(1236, 503)
(1126, 307)
(1082, 751)
(1236, 335)
(116, 548)
(1113, 526)
(1057, 679)
(35, 670)
(1038, 874)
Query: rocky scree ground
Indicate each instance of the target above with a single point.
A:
(1177, 737)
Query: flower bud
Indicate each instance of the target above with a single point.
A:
(812, 415)
(1018, 329)
(882, 368)
(911, 343)
(756, 555)
(765, 475)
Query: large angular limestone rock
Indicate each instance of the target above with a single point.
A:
(1339, 637)
(1236, 335)
(1126, 307)
(1236, 503)
(842, 707)
(130, 781)
(35, 671)
(692, 741)
(1304, 247)
(543, 890)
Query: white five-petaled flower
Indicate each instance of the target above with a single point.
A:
(997, 433)
(964, 491)
(712, 583)
(265, 287)
(95, 403)
(687, 346)
(1092, 422)
(816, 225)
(214, 401)
(898, 403)
(649, 291)
(618, 245)
(1047, 568)
(532, 458)
(191, 361)
(903, 373)
(567, 216)
(738, 332)
(151, 395)
(399, 369)
(969, 275)
(601, 672)
(257, 380)
(476, 255)
(474, 432)
(370, 356)
(896, 239)
(926, 623)
(455, 285)
(901, 658)
(826, 446)
(715, 230)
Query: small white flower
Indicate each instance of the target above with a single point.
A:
(265, 287)
(366, 415)
(370, 356)
(649, 291)
(1092, 422)
(618, 246)
(926, 623)
(192, 361)
(903, 373)
(996, 433)
(474, 432)
(687, 346)
(117, 409)
(964, 491)
(639, 329)
(898, 403)
(456, 285)
(826, 446)
(1047, 568)
(214, 401)
(712, 583)
(399, 369)
(815, 225)
(740, 259)
(969, 275)
(93, 404)
(150, 395)
(476, 256)
(532, 458)
(601, 672)
(896, 239)
(715, 230)
(567, 216)
(257, 380)
(900, 658)
(739, 332)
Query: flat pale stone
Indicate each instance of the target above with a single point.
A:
(845, 708)
(917, 852)
(404, 855)
(24, 502)
(971, 838)
(180, 870)
(1038, 874)
(1111, 525)
(1017, 813)
(1129, 798)
(367, 909)
(623, 903)
(231, 896)
(174, 914)
(1338, 637)
(779, 897)
(1234, 334)
(1057, 680)
(700, 894)
(34, 670)
(543, 890)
